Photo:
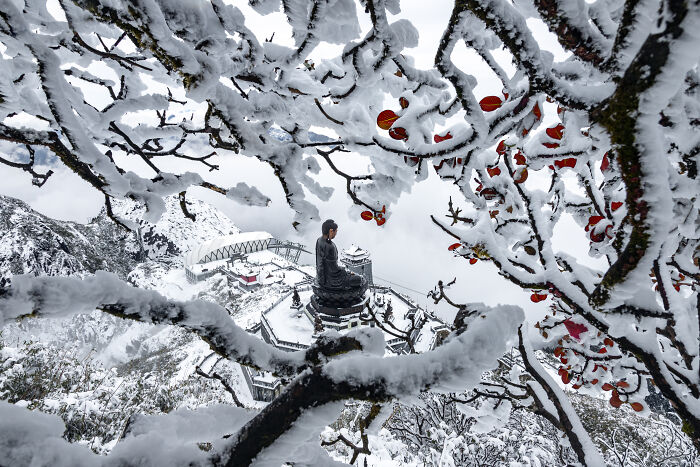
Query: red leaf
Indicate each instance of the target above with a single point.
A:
(594, 381)
(607, 387)
(623, 384)
(519, 158)
(565, 378)
(386, 118)
(536, 111)
(403, 102)
(501, 148)
(637, 407)
(367, 215)
(381, 221)
(575, 329)
(605, 164)
(493, 171)
(609, 231)
(615, 205)
(505, 94)
(398, 133)
(551, 146)
(603, 350)
(472, 260)
(490, 103)
(615, 400)
(609, 342)
(489, 193)
(558, 351)
(593, 220)
(568, 162)
(520, 175)
(597, 237)
(536, 297)
(555, 132)
(438, 138)
(454, 246)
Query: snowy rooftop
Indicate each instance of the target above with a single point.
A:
(355, 252)
(210, 266)
(289, 324)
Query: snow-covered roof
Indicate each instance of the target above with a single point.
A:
(291, 325)
(225, 246)
(244, 269)
(355, 252)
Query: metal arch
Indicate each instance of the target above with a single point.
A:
(288, 250)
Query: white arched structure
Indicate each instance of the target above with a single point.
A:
(227, 246)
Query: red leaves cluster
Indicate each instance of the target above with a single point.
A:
(386, 119)
(599, 230)
(456, 246)
(378, 216)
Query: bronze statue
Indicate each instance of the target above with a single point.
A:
(331, 279)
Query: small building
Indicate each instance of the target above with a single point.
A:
(248, 277)
(357, 260)
(263, 385)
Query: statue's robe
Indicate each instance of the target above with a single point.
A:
(328, 273)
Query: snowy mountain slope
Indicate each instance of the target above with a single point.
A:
(31, 243)
(174, 234)
(112, 368)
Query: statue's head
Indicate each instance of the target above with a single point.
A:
(329, 228)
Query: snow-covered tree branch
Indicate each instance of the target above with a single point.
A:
(118, 89)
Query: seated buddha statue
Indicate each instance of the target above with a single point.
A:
(330, 277)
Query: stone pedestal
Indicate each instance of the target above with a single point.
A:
(339, 298)
(338, 318)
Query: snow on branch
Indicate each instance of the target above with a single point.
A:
(61, 296)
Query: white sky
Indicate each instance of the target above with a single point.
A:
(408, 250)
